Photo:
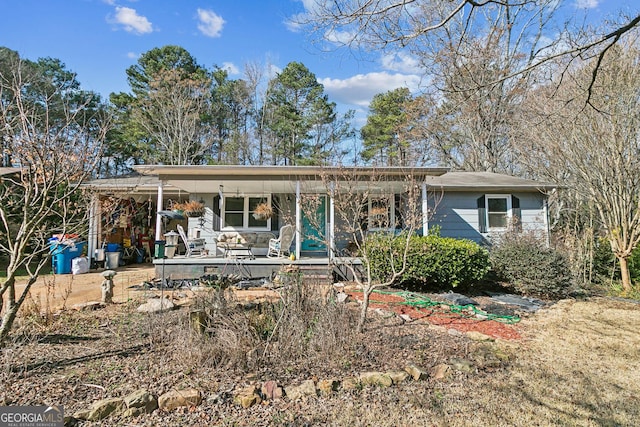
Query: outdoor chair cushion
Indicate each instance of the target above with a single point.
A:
(256, 239)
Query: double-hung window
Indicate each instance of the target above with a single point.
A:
(497, 211)
(237, 213)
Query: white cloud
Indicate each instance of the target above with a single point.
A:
(360, 89)
(131, 21)
(132, 55)
(210, 23)
(401, 62)
(341, 38)
(587, 4)
(231, 68)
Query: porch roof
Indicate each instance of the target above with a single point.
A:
(246, 179)
(136, 186)
(284, 172)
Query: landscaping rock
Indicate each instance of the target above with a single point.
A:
(156, 305)
(478, 336)
(140, 402)
(441, 371)
(350, 383)
(462, 365)
(327, 387)
(376, 378)
(248, 397)
(176, 398)
(416, 373)
(88, 306)
(398, 376)
(103, 408)
(271, 390)
(306, 389)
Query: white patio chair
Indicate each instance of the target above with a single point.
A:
(280, 247)
(192, 246)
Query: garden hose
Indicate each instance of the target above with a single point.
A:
(418, 301)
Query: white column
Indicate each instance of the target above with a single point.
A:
(298, 220)
(425, 210)
(158, 209)
(332, 221)
(547, 229)
(92, 238)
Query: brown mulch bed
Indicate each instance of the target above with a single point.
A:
(441, 315)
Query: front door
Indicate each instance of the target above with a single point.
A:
(314, 226)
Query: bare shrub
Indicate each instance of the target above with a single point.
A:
(305, 324)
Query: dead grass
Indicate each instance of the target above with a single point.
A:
(578, 365)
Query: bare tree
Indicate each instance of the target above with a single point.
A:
(54, 136)
(172, 114)
(540, 33)
(594, 147)
(364, 204)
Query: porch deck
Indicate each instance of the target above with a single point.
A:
(182, 267)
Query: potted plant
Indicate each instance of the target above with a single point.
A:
(192, 208)
(262, 211)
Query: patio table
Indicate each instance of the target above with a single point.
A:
(238, 247)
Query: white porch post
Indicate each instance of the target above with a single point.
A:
(94, 220)
(158, 209)
(298, 220)
(425, 210)
(332, 218)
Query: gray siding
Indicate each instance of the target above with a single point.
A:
(456, 213)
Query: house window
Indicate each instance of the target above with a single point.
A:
(381, 214)
(498, 211)
(238, 213)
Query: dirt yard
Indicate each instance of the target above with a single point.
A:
(575, 362)
(66, 290)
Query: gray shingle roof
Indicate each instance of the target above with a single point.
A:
(465, 181)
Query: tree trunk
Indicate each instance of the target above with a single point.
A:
(7, 322)
(366, 292)
(624, 273)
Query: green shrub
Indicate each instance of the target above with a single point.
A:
(530, 267)
(431, 260)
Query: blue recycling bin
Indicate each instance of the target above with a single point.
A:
(62, 255)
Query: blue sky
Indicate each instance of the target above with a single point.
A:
(100, 39)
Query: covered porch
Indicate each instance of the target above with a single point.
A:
(300, 197)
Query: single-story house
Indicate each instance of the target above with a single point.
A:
(311, 200)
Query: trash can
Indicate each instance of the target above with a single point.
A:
(112, 261)
(159, 249)
(63, 253)
(113, 247)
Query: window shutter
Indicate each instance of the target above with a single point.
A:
(482, 215)
(516, 212)
(216, 213)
